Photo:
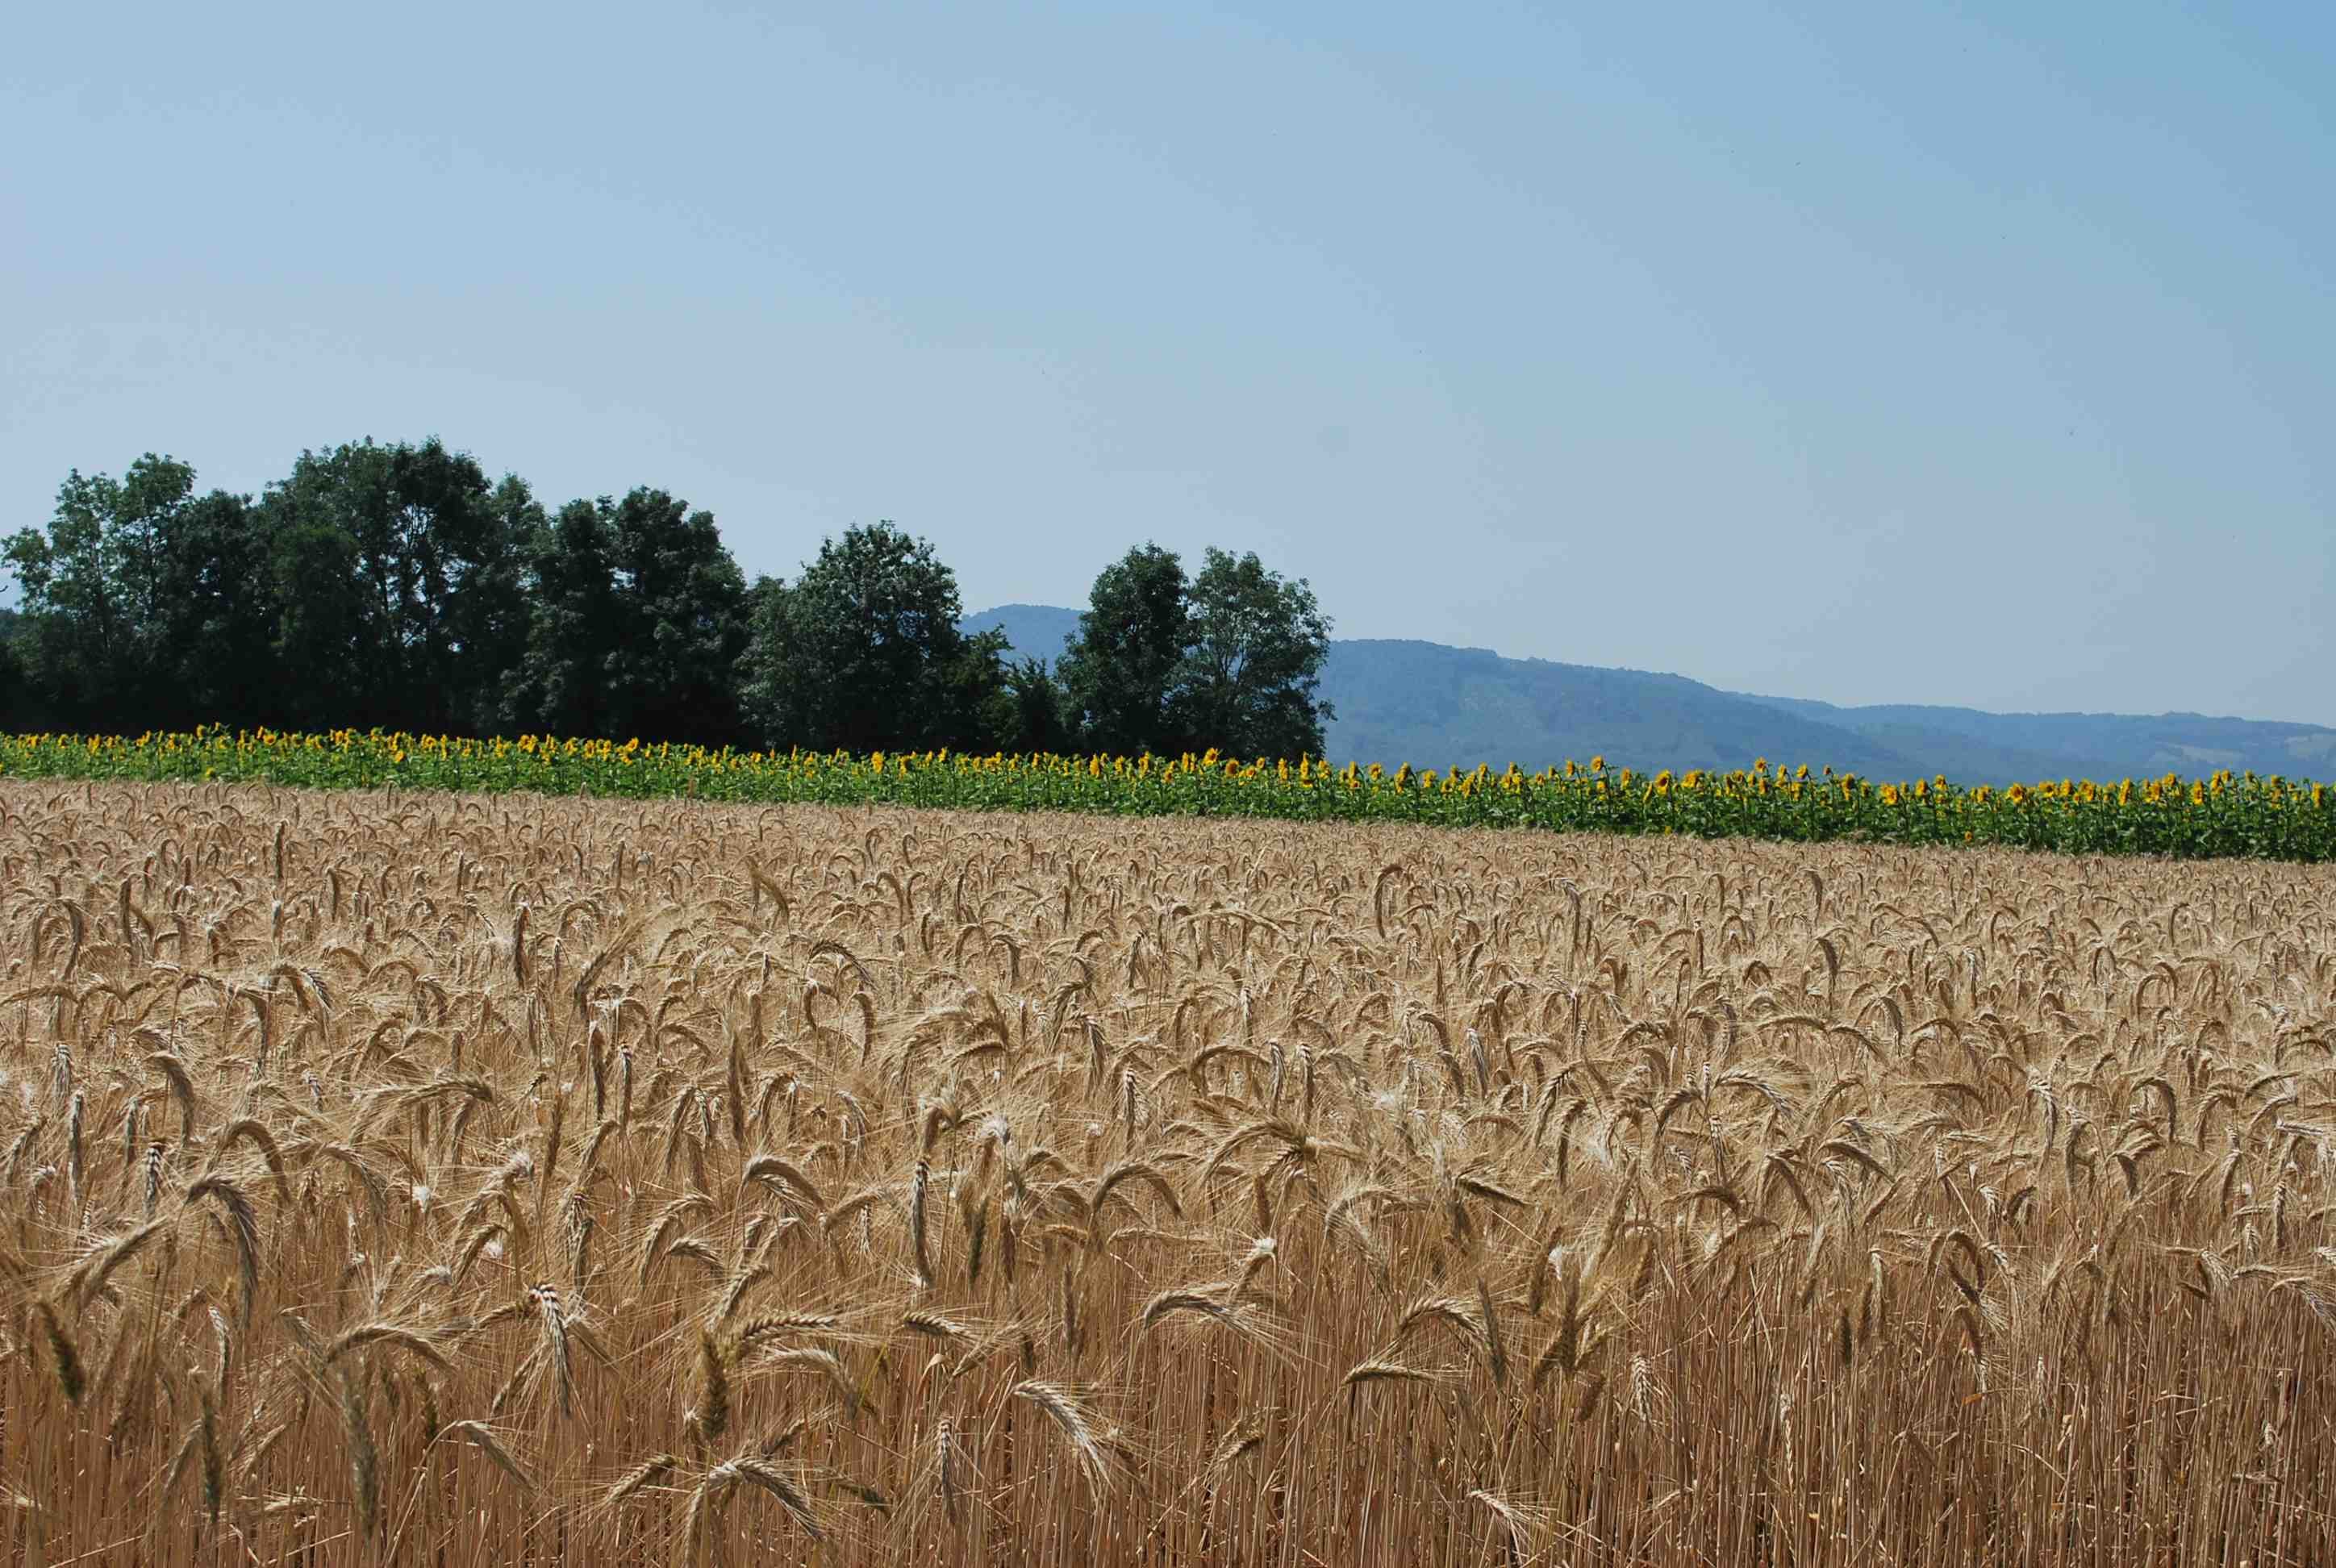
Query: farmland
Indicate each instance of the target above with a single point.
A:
(2222, 814)
(409, 1175)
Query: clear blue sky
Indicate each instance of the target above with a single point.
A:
(1980, 355)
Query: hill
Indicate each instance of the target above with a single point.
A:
(1436, 705)
(2093, 745)
(1035, 631)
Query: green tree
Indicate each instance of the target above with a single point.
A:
(573, 627)
(640, 617)
(218, 617)
(863, 651)
(15, 715)
(1256, 644)
(487, 623)
(427, 548)
(321, 641)
(92, 586)
(765, 688)
(1036, 716)
(1119, 673)
(684, 604)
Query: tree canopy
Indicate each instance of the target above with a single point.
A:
(863, 652)
(400, 585)
(1231, 659)
(92, 584)
(1253, 661)
(639, 620)
(1120, 674)
(412, 545)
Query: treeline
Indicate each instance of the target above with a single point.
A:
(399, 586)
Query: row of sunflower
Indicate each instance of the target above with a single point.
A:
(2220, 815)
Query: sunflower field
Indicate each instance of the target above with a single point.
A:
(2221, 814)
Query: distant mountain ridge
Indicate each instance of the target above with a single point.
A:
(1435, 705)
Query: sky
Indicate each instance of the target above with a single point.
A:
(1982, 354)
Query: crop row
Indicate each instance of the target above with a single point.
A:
(2221, 814)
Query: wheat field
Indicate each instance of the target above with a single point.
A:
(398, 1178)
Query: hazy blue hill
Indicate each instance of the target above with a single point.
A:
(2099, 744)
(1036, 631)
(1976, 758)
(1435, 705)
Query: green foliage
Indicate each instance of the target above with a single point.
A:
(423, 543)
(491, 620)
(863, 651)
(92, 583)
(319, 603)
(640, 618)
(1120, 674)
(1232, 656)
(1039, 721)
(2222, 816)
(571, 581)
(217, 618)
(393, 586)
(396, 587)
(1250, 674)
(11, 667)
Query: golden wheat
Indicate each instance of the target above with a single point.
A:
(466, 1182)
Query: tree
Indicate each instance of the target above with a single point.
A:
(863, 651)
(766, 692)
(640, 615)
(1231, 659)
(321, 642)
(14, 714)
(92, 585)
(430, 558)
(1035, 718)
(218, 618)
(486, 623)
(571, 626)
(148, 604)
(1252, 661)
(1119, 673)
(683, 605)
